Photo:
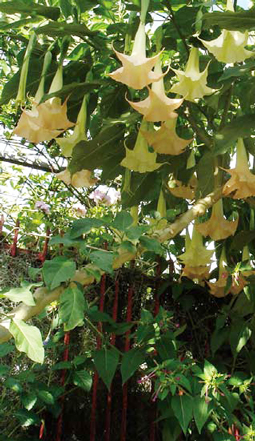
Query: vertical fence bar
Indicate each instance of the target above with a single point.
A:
(126, 349)
(63, 377)
(1, 224)
(96, 376)
(13, 248)
(43, 254)
(156, 311)
(112, 340)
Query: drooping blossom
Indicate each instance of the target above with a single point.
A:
(67, 144)
(217, 227)
(140, 159)
(197, 258)
(229, 47)
(47, 120)
(192, 82)
(165, 140)
(79, 179)
(136, 70)
(183, 191)
(241, 185)
(41, 205)
(157, 106)
(107, 195)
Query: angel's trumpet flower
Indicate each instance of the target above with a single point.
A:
(183, 191)
(79, 134)
(218, 288)
(47, 120)
(196, 258)
(136, 68)
(140, 159)
(217, 227)
(192, 82)
(21, 95)
(241, 185)
(79, 179)
(229, 47)
(165, 140)
(157, 107)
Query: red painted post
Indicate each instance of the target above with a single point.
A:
(113, 339)
(125, 386)
(1, 224)
(13, 249)
(42, 255)
(63, 377)
(96, 377)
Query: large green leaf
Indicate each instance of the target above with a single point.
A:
(22, 294)
(106, 362)
(83, 226)
(28, 339)
(32, 9)
(233, 21)
(152, 244)
(183, 409)
(240, 127)
(205, 174)
(72, 307)
(103, 259)
(57, 29)
(5, 349)
(82, 379)
(92, 154)
(122, 221)
(58, 270)
(200, 411)
(130, 363)
(239, 335)
(142, 189)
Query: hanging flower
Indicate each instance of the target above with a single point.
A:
(140, 159)
(196, 258)
(229, 47)
(136, 68)
(79, 179)
(217, 227)
(165, 140)
(192, 82)
(157, 107)
(241, 185)
(47, 120)
(183, 191)
(79, 134)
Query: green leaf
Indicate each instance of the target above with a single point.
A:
(233, 21)
(239, 335)
(21, 295)
(123, 221)
(57, 29)
(241, 239)
(4, 369)
(67, 90)
(26, 418)
(5, 349)
(240, 127)
(200, 411)
(205, 174)
(83, 226)
(106, 362)
(46, 397)
(182, 408)
(58, 270)
(218, 338)
(16, 6)
(28, 339)
(166, 346)
(28, 400)
(72, 307)
(62, 365)
(92, 154)
(151, 244)
(66, 8)
(14, 384)
(130, 363)
(103, 259)
(82, 379)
